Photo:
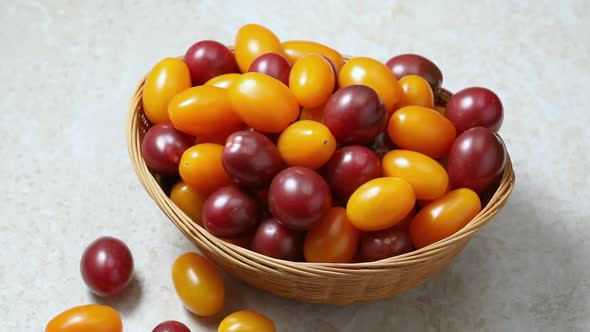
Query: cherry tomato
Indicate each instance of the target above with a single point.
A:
(299, 197)
(252, 41)
(107, 266)
(349, 168)
(382, 144)
(207, 59)
(198, 283)
(202, 169)
(296, 49)
(263, 102)
(86, 318)
(188, 200)
(380, 203)
(230, 212)
(405, 223)
(306, 143)
(477, 159)
(374, 74)
(312, 80)
(475, 107)
(332, 240)
(203, 111)
(168, 78)
(274, 65)
(416, 92)
(244, 240)
(422, 130)
(313, 114)
(412, 64)
(163, 146)
(383, 244)
(223, 81)
(355, 115)
(444, 217)
(246, 321)
(171, 326)
(275, 240)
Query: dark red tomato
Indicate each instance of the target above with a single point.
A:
(349, 168)
(477, 158)
(355, 114)
(413, 64)
(272, 64)
(384, 244)
(382, 144)
(275, 240)
(163, 146)
(299, 197)
(475, 107)
(207, 59)
(171, 326)
(251, 159)
(107, 266)
(230, 212)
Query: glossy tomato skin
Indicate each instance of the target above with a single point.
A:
(477, 159)
(422, 130)
(355, 115)
(382, 144)
(349, 168)
(296, 49)
(202, 169)
(251, 159)
(275, 240)
(86, 318)
(383, 244)
(332, 240)
(246, 321)
(252, 41)
(416, 92)
(171, 326)
(199, 284)
(306, 143)
(230, 212)
(444, 217)
(163, 146)
(312, 80)
(107, 266)
(168, 78)
(274, 65)
(299, 197)
(223, 81)
(413, 64)
(188, 200)
(475, 107)
(207, 59)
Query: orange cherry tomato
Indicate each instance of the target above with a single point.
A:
(416, 92)
(296, 49)
(86, 318)
(201, 168)
(306, 143)
(246, 321)
(422, 130)
(444, 217)
(198, 283)
(168, 78)
(332, 240)
(313, 114)
(252, 41)
(312, 80)
(426, 176)
(223, 81)
(374, 74)
(188, 200)
(203, 111)
(263, 102)
(380, 203)
(440, 109)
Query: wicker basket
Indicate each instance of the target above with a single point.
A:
(313, 282)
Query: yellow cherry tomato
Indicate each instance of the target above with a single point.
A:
(168, 78)
(416, 92)
(86, 318)
(203, 111)
(252, 41)
(199, 284)
(440, 109)
(263, 102)
(296, 49)
(314, 114)
(444, 217)
(380, 203)
(312, 80)
(202, 169)
(332, 240)
(223, 81)
(374, 74)
(188, 200)
(306, 143)
(426, 176)
(246, 321)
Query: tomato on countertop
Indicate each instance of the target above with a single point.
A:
(246, 321)
(86, 318)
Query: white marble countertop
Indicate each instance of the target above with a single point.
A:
(67, 69)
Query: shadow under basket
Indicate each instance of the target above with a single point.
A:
(335, 283)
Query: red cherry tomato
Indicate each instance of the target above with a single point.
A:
(86, 318)
(274, 65)
(384, 244)
(171, 326)
(332, 240)
(475, 107)
(230, 212)
(163, 146)
(207, 59)
(275, 240)
(412, 64)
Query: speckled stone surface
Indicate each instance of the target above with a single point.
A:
(67, 69)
